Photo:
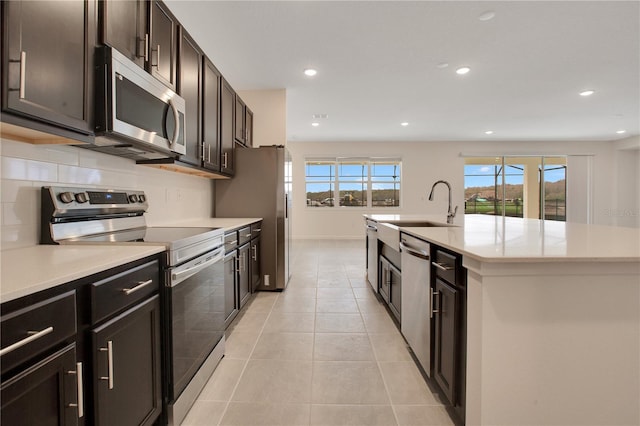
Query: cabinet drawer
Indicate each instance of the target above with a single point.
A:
(52, 320)
(244, 235)
(117, 292)
(445, 265)
(230, 241)
(256, 230)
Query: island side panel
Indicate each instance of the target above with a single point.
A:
(553, 343)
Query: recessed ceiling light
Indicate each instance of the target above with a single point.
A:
(587, 93)
(488, 132)
(621, 132)
(486, 16)
(315, 124)
(463, 70)
(404, 123)
(310, 72)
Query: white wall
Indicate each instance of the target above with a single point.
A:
(625, 210)
(269, 109)
(424, 163)
(25, 168)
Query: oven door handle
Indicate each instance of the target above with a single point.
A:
(179, 276)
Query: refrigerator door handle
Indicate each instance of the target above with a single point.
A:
(286, 206)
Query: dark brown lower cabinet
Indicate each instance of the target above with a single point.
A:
(44, 394)
(446, 339)
(390, 286)
(230, 289)
(244, 278)
(126, 366)
(255, 264)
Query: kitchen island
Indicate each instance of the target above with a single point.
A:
(553, 319)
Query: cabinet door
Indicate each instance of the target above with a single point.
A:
(190, 88)
(244, 279)
(126, 366)
(230, 293)
(256, 271)
(446, 339)
(47, 56)
(395, 291)
(124, 27)
(44, 394)
(239, 133)
(248, 127)
(384, 279)
(162, 44)
(227, 123)
(211, 117)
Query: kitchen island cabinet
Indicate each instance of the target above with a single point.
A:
(553, 318)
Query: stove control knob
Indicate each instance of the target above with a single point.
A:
(142, 198)
(66, 197)
(82, 197)
(133, 198)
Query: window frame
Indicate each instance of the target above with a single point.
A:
(368, 180)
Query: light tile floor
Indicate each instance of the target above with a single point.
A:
(323, 352)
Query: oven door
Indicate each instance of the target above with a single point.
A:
(195, 316)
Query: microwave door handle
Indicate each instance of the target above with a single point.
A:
(176, 118)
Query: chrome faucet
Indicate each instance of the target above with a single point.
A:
(450, 214)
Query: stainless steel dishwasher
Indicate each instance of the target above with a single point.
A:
(417, 298)
(372, 253)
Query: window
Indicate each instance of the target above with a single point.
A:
(353, 182)
(511, 186)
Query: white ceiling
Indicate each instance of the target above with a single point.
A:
(377, 66)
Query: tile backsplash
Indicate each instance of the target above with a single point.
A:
(25, 168)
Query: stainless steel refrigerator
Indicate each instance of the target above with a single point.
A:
(261, 187)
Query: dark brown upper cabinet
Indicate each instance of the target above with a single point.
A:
(47, 62)
(248, 124)
(227, 123)
(124, 27)
(239, 132)
(190, 86)
(211, 152)
(161, 60)
(145, 32)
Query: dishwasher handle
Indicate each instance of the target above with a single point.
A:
(413, 252)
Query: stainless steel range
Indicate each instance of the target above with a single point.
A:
(193, 296)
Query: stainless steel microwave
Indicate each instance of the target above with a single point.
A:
(136, 115)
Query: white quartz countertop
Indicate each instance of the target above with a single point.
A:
(35, 268)
(228, 223)
(32, 269)
(497, 239)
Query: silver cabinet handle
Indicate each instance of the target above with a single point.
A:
(157, 65)
(234, 242)
(238, 265)
(224, 160)
(23, 74)
(34, 335)
(146, 47)
(417, 253)
(442, 266)
(80, 404)
(208, 153)
(255, 252)
(259, 230)
(203, 147)
(109, 351)
(247, 235)
(140, 285)
(432, 295)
